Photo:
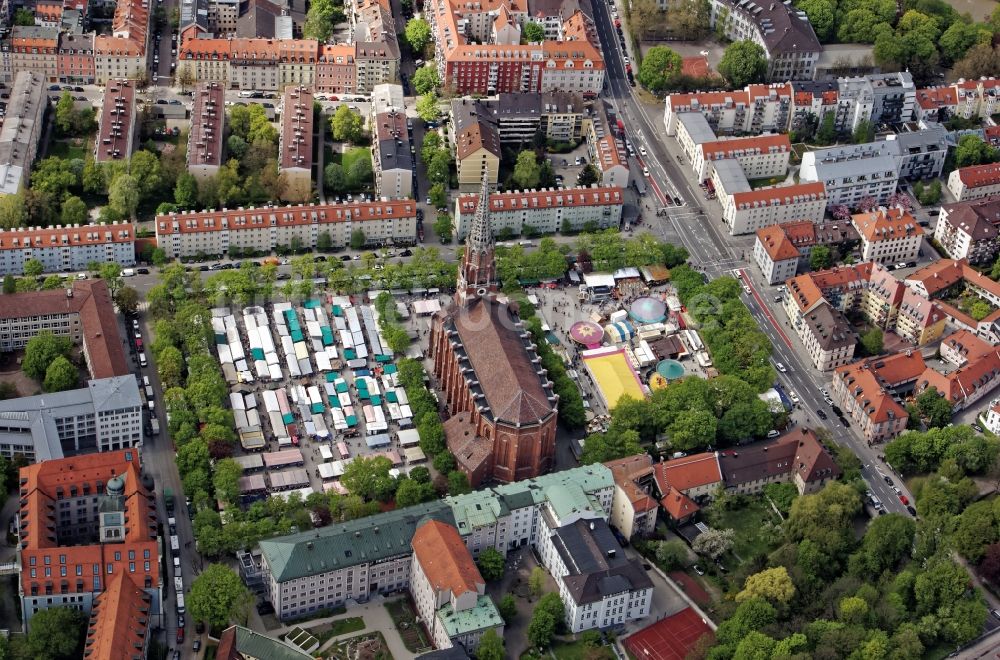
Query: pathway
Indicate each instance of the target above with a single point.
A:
(375, 616)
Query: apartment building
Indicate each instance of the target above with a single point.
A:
(746, 210)
(478, 50)
(796, 457)
(118, 58)
(336, 70)
(448, 590)
(943, 279)
(36, 49)
(262, 229)
(759, 156)
(477, 144)
(881, 98)
(75, 60)
(21, 131)
(87, 530)
(827, 336)
(783, 31)
(779, 250)
(871, 391)
(239, 643)
(888, 236)
(394, 166)
(295, 144)
(119, 620)
(117, 127)
(633, 508)
(297, 62)
(605, 149)
(968, 230)
(751, 110)
(373, 555)
(377, 64)
(386, 98)
(852, 173)
(66, 248)
(546, 211)
(974, 182)
(965, 98)
(208, 130)
(976, 373)
(920, 154)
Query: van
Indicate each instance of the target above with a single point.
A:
(152, 405)
(128, 272)
(145, 381)
(142, 359)
(246, 94)
(772, 433)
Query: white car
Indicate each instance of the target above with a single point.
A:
(642, 150)
(627, 60)
(645, 171)
(793, 396)
(780, 367)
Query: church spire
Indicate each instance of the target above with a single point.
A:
(481, 233)
(477, 275)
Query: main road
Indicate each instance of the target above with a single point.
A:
(713, 251)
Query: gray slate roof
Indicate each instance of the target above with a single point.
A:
(596, 562)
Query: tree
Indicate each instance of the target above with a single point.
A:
(367, 477)
(491, 647)
(824, 518)
(772, 584)
(743, 62)
(358, 239)
(458, 483)
(360, 174)
(418, 34)
(428, 108)
(346, 125)
(218, 596)
(671, 555)
(659, 69)
(41, 351)
(821, 15)
(864, 132)
(852, 610)
(913, 45)
(536, 581)
(692, 430)
(56, 633)
(186, 191)
(438, 167)
(755, 646)
(989, 566)
(526, 171)
(111, 273)
(532, 33)
(24, 16)
(827, 132)
(65, 113)
(980, 60)
(74, 211)
(60, 376)
(412, 492)
(334, 179)
(439, 198)
(33, 268)
(608, 446)
(12, 212)
(491, 564)
(972, 150)
(507, 608)
(956, 41)
(752, 614)
(127, 300)
(443, 227)
(713, 543)
(425, 79)
(541, 629)
(124, 195)
(820, 257)
(934, 408)
(872, 341)
(319, 20)
(588, 175)
(226, 481)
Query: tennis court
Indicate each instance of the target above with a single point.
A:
(613, 374)
(668, 639)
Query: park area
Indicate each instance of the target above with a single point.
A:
(412, 633)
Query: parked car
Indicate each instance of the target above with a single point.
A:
(911, 510)
(821, 413)
(180, 635)
(698, 569)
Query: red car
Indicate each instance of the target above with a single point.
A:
(138, 344)
(618, 22)
(180, 635)
(903, 499)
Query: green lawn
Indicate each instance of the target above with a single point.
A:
(351, 155)
(68, 150)
(336, 628)
(579, 651)
(752, 535)
(765, 183)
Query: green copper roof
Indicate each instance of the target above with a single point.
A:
(483, 615)
(478, 509)
(340, 545)
(567, 499)
(255, 645)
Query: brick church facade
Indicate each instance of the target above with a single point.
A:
(502, 404)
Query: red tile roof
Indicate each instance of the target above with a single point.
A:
(781, 195)
(933, 98)
(976, 176)
(866, 382)
(445, 560)
(116, 126)
(886, 225)
(782, 242)
(66, 236)
(745, 146)
(297, 128)
(677, 504)
(627, 471)
(208, 121)
(282, 216)
(544, 199)
(687, 473)
(119, 620)
(98, 322)
(969, 345)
